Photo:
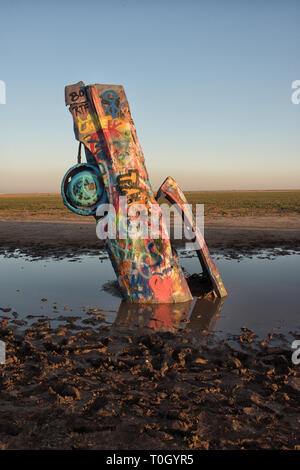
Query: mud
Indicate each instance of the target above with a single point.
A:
(99, 387)
(59, 238)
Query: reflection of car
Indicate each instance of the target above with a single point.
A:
(200, 316)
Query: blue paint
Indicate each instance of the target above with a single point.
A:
(83, 189)
(112, 108)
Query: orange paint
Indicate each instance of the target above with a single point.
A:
(161, 287)
(162, 319)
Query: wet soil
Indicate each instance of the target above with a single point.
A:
(103, 387)
(98, 387)
(60, 237)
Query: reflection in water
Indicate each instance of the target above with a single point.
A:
(202, 314)
(165, 317)
(205, 314)
(264, 294)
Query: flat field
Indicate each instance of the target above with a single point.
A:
(217, 204)
(246, 203)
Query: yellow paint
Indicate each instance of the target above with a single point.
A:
(87, 125)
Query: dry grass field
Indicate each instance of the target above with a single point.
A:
(246, 203)
(217, 203)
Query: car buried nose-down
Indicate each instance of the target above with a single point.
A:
(147, 267)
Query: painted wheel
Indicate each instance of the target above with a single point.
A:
(83, 189)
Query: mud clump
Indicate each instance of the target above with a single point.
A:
(99, 388)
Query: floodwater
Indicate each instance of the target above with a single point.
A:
(263, 295)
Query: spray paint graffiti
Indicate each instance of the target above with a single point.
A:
(111, 97)
(147, 269)
(173, 193)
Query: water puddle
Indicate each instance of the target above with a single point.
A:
(262, 295)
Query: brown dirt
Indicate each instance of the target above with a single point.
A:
(239, 233)
(99, 388)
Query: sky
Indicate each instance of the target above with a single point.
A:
(208, 84)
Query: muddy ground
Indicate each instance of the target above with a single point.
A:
(101, 388)
(240, 234)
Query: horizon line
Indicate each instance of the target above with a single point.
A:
(184, 190)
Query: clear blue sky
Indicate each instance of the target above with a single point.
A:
(208, 82)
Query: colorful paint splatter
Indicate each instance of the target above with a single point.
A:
(148, 270)
(172, 192)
